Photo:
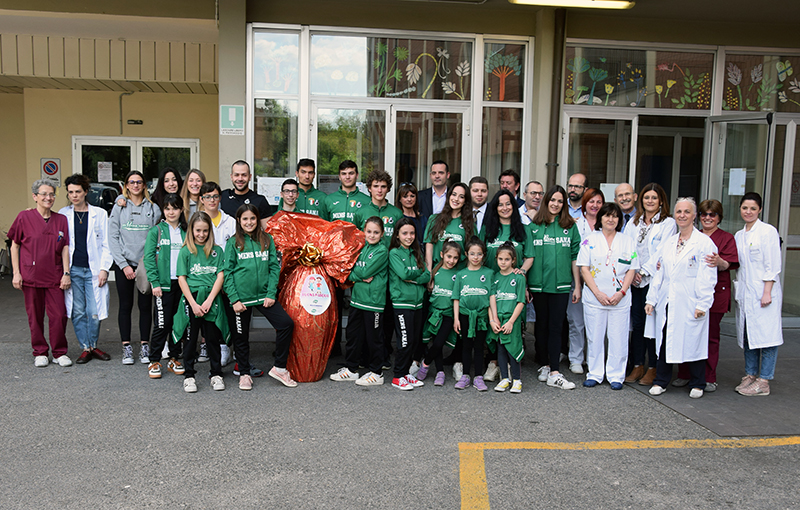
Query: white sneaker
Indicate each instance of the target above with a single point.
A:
(544, 372)
(344, 374)
(516, 387)
(559, 381)
(503, 385)
(458, 370)
(413, 381)
(189, 385)
(414, 368)
(656, 390)
(127, 355)
(492, 371)
(696, 393)
(370, 379)
(224, 355)
(63, 361)
(41, 361)
(144, 354)
(217, 384)
(576, 368)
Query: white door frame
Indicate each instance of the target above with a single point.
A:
(136, 144)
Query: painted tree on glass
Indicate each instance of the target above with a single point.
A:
(502, 66)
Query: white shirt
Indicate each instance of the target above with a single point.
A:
(523, 209)
(608, 265)
(438, 201)
(175, 244)
(479, 213)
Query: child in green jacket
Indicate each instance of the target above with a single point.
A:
(365, 322)
(252, 271)
(439, 325)
(407, 278)
(471, 312)
(200, 279)
(164, 242)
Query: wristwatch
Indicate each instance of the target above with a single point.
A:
(66, 273)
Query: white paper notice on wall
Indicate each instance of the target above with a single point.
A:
(270, 187)
(104, 171)
(738, 179)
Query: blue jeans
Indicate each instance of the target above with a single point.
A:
(84, 307)
(767, 355)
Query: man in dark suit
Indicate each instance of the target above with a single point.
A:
(431, 200)
(509, 179)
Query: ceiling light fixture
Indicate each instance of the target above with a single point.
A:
(581, 4)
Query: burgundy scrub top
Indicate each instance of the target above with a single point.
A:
(41, 243)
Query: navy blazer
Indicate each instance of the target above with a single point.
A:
(425, 201)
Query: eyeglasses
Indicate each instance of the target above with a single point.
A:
(536, 193)
(289, 191)
(575, 186)
(135, 183)
(210, 197)
(709, 214)
(47, 195)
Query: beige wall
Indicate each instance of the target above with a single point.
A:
(16, 191)
(52, 117)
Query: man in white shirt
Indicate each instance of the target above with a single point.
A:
(575, 188)
(479, 192)
(431, 200)
(534, 191)
(625, 198)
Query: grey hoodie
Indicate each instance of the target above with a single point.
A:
(127, 231)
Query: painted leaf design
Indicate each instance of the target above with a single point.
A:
(578, 65)
(449, 87)
(757, 73)
(397, 75)
(597, 74)
(401, 53)
(782, 97)
(794, 85)
(734, 74)
(413, 72)
(463, 69)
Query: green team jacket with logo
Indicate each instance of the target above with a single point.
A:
(523, 249)
(554, 250)
(341, 205)
(389, 214)
(509, 291)
(309, 202)
(157, 267)
(406, 280)
(454, 230)
(472, 290)
(201, 274)
(251, 275)
(373, 262)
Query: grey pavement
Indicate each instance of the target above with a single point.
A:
(103, 435)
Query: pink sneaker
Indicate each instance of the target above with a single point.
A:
(282, 375)
(759, 388)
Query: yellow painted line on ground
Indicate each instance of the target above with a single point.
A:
(475, 493)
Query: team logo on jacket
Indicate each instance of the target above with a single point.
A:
(387, 220)
(370, 255)
(483, 277)
(246, 200)
(514, 282)
(311, 201)
(352, 203)
(566, 231)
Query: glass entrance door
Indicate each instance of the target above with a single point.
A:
(599, 149)
(424, 137)
(354, 133)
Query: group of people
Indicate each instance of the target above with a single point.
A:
(445, 266)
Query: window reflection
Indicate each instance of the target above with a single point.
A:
(275, 63)
(275, 139)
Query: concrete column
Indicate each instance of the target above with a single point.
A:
(232, 65)
(543, 66)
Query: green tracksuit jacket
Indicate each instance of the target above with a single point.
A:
(343, 206)
(157, 266)
(388, 213)
(406, 280)
(373, 262)
(252, 274)
(554, 250)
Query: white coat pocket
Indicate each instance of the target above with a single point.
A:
(691, 269)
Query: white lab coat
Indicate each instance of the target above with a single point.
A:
(99, 252)
(759, 262)
(658, 233)
(685, 283)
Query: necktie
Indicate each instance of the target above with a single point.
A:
(627, 217)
